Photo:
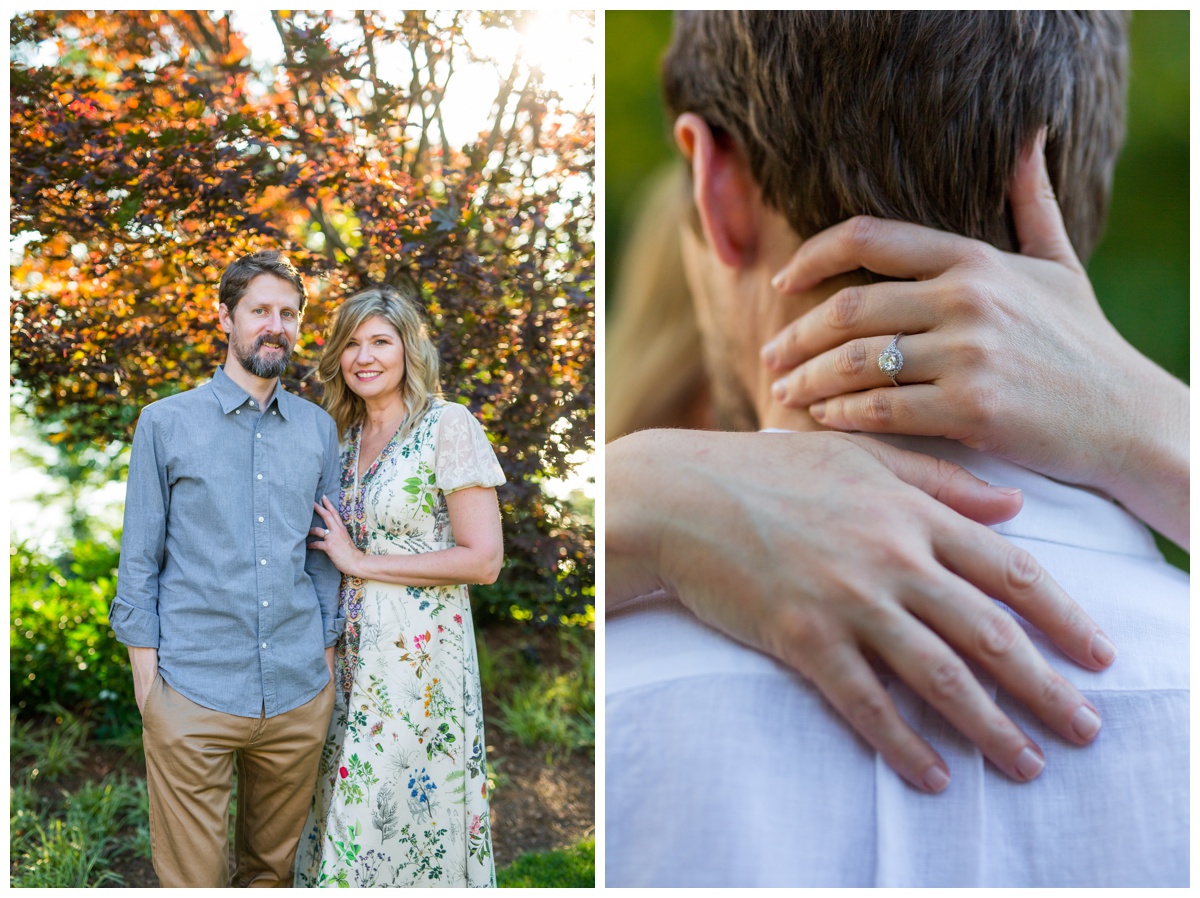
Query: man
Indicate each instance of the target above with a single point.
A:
(229, 619)
(722, 766)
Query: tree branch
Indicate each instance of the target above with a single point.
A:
(283, 39)
(501, 107)
(369, 43)
(210, 39)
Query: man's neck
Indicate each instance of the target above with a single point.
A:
(775, 312)
(738, 312)
(259, 388)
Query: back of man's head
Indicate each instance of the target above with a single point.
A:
(914, 115)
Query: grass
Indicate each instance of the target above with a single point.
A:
(568, 868)
(550, 711)
(553, 706)
(76, 840)
(55, 749)
(68, 838)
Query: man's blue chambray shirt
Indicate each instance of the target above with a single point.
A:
(215, 571)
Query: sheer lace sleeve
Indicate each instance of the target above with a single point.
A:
(464, 455)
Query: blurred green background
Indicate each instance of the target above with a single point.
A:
(1139, 271)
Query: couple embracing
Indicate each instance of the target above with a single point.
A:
(291, 591)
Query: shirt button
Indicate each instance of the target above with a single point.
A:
(265, 604)
(272, 411)
(264, 561)
(264, 645)
(258, 436)
(260, 476)
(237, 411)
(252, 403)
(260, 519)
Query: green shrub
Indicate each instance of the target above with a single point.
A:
(62, 650)
(552, 708)
(569, 868)
(521, 594)
(58, 857)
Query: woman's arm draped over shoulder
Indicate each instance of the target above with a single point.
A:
(818, 547)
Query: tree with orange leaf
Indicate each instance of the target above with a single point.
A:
(148, 150)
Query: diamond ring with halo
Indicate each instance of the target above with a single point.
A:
(891, 360)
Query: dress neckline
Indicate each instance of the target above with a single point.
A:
(361, 479)
(385, 453)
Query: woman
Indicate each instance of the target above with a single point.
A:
(401, 795)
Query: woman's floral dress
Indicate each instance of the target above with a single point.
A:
(401, 795)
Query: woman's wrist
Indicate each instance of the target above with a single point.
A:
(636, 494)
(1151, 477)
(359, 565)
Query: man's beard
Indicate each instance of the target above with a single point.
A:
(265, 368)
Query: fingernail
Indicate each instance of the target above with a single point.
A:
(817, 410)
(1006, 490)
(779, 390)
(778, 281)
(936, 779)
(1085, 723)
(1029, 763)
(768, 355)
(1103, 650)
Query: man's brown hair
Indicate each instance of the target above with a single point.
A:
(240, 272)
(913, 115)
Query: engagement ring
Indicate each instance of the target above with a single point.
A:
(891, 360)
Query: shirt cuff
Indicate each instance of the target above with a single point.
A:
(134, 626)
(334, 631)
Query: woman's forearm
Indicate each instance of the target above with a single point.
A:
(476, 558)
(445, 567)
(1152, 477)
(634, 496)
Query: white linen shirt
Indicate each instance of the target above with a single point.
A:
(725, 768)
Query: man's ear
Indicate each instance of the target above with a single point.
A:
(225, 317)
(725, 194)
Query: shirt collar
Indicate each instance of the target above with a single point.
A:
(1052, 512)
(231, 396)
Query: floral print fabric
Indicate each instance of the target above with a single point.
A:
(401, 795)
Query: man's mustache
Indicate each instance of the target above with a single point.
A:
(272, 340)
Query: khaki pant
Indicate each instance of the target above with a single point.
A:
(190, 753)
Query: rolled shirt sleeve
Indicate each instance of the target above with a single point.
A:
(325, 577)
(134, 611)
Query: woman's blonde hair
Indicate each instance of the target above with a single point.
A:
(420, 385)
(655, 374)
